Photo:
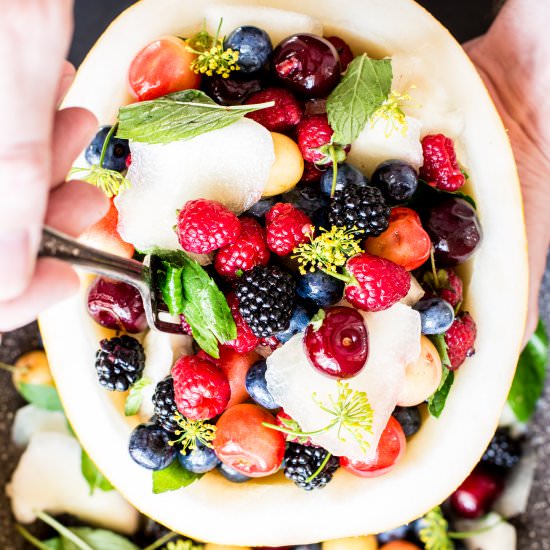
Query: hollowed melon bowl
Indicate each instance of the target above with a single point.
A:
(274, 512)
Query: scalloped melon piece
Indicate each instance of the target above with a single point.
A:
(394, 342)
(30, 420)
(230, 165)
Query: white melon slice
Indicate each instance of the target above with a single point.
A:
(277, 23)
(230, 165)
(394, 342)
(348, 506)
(377, 143)
(48, 478)
(502, 536)
(30, 420)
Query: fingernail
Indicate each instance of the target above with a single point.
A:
(16, 263)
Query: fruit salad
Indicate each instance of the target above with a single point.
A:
(315, 282)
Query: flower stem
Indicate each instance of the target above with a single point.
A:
(296, 433)
(320, 469)
(334, 171)
(339, 276)
(467, 534)
(106, 144)
(9, 368)
(161, 542)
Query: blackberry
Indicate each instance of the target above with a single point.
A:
(363, 207)
(119, 362)
(165, 404)
(504, 451)
(302, 461)
(266, 298)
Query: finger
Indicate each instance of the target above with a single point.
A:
(34, 38)
(75, 206)
(53, 281)
(65, 81)
(73, 130)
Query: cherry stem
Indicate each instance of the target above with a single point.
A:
(320, 469)
(9, 368)
(339, 276)
(161, 542)
(334, 171)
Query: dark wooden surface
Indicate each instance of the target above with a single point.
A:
(466, 19)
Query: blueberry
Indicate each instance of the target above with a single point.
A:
(313, 546)
(256, 385)
(399, 533)
(231, 474)
(346, 174)
(116, 154)
(396, 179)
(150, 447)
(261, 208)
(200, 460)
(436, 315)
(299, 321)
(254, 47)
(320, 288)
(310, 201)
(409, 418)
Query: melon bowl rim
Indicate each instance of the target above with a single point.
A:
(276, 513)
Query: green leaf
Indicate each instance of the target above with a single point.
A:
(178, 116)
(362, 90)
(530, 375)
(438, 341)
(173, 478)
(42, 396)
(317, 320)
(189, 290)
(135, 397)
(436, 403)
(95, 479)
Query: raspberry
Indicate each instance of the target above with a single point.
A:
(460, 339)
(287, 227)
(344, 51)
(311, 174)
(201, 389)
(246, 340)
(285, 421)
(185, 326)
(441, 169)
(248, 251)
(313, 132)
(204, 225)
(283, 116)
(119, 362)
(382, 283)
(453, 291)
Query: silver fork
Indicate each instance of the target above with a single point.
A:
(143, 277)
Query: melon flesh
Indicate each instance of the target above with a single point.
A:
(48, 478)
(279, 24)
(394, 341)
(30, 420)
(230, 165)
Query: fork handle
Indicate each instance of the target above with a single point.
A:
(62, 247)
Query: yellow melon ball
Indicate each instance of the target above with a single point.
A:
(352, 543)
(399, 545)
(288, 167)
(32, 368)
(422, 377)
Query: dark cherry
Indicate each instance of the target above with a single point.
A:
(338, 348)
(307, 64)
(478, 492)
(116, 305)
(455, 231)
(230, 91)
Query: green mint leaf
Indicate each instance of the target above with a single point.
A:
(317, 320)
(362, 90)
(178, 116)
(95, 479)
(467, 198)
(42, 396)
(173, 478)
(530, 375)
(436, 403)
(135, 397)
(438, 340)
(189, 290)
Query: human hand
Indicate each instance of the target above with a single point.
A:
(38, 144)
(512, 58)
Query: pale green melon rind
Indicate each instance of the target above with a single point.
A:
(442, 454)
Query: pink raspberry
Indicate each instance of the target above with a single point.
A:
(283, 116)
(286, 227)
(246, 340)
(460, 339)
(441, 169)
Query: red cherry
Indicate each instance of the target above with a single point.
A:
(478, 492)
(245, 444)
(390, 449)
(340, 347)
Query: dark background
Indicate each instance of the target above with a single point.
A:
(466, 19)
